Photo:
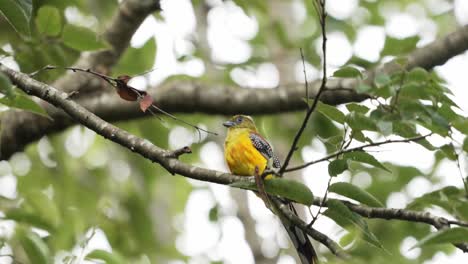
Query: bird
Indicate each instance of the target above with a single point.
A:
(246, 153)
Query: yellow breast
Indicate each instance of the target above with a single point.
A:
(241, 155)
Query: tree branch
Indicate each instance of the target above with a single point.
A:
(359, 148)
(322, 14)
(401, 214)
(315, 234)
(21, 128)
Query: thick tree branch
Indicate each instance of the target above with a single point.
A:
(22, 128)
(402, 214)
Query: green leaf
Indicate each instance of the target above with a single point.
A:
(465, 144)
(35, 248)
(22, 215)
(23, 102)
(381, 80)
(355, 193)
(107, 257)
(337, 167)
(281, 34)
(213, 214)
(444, 198)
(6, 87)
(453, 235)
(353, 107)
(363, 88)
(449, 151)
(292, 190)
(44, 207)
(364, 157)
(331, 112)
(48, 21)
(359, 121)
(81, 38)
(347, 72)
(18, 14)
(395, 46)
(137, 60)
(418, 75)
(386, 127)
(461, 125)
(349, 220)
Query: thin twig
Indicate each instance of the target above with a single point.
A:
(114, 82)
(322, 19)
(465, 184)
(314, 218)
(305, 78)
(360, 148)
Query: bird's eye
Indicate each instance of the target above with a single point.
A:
(239, 119)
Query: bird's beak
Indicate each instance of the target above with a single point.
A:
(228, 124)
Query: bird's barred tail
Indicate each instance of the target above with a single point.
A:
(301, 242)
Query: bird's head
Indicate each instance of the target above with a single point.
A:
(240, 121)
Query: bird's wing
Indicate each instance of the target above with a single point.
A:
(265, 149)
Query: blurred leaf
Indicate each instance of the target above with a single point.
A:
(338, 166)
(452, 235)
(107, 257)
(281, 34)
(18, 14)
(137, 60)
(213, 215)
(83, 39)
(385, 127)
(465, 144)
(381, 80)
(363, 88)
(364, 157)
(359, 136)
(36, 249)
(347, 219)
(44, 207)
(355, 193)
(23, 102)
(20, 215)
(358, 108)
(347, 72)
(292, 190)
(418, 74)
(361, 62)
(331, 112)
(395, 46)
(6, 87)
(461, 125)
(445, 198)
(48, 21)
(449, 151)
(359, 121)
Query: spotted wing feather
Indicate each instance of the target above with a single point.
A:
(265, 149)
